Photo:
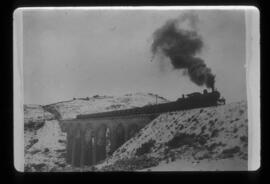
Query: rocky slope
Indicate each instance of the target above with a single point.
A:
(214, 138)
(35, 116)
(45, 142)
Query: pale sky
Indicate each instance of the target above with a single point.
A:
(77, 53)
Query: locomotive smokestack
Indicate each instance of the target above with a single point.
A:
(181, 45)
(213, 87)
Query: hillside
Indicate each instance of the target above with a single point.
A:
(214, 138)
(45, 142)
(70, 109)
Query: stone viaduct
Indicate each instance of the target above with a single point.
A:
(91, 140)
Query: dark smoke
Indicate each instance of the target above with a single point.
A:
(181, 46)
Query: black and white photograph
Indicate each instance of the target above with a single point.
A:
(141, 89)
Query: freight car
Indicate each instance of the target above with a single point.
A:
(190, 101)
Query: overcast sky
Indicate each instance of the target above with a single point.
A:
(77, 53)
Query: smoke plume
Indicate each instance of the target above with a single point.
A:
(178, 40)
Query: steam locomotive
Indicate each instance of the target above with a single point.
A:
(190, 101)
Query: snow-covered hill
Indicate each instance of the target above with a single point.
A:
(70, 109)
(44, 140)
(214, 138)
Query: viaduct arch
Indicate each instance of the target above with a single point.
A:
(92, 140)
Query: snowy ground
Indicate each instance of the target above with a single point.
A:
(232, 164)
(45, 147)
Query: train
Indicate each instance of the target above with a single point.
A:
(186, 102)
